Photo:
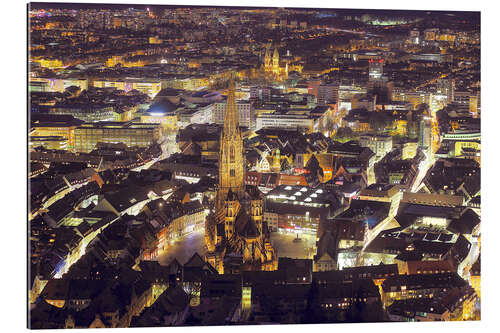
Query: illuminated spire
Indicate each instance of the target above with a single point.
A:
(231, 124)
(276, 62)
(267, 59)
(276, 54)
(231, 160)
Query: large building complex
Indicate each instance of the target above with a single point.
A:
(246, 113)
(132, 134)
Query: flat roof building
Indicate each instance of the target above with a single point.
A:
(129, 133)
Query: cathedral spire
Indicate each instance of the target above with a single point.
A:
(231, 124)
(267, 59)
(276, 54)
(231, 159)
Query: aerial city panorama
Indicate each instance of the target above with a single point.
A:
(193, 166)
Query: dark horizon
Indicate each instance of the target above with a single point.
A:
(345, 11)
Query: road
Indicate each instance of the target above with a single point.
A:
(421, 172)
(184, 248)
(168, 146)
(474, 253)
(351, 32)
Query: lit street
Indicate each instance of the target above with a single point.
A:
(422, 171)
(184, 248)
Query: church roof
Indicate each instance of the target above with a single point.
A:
(313, 165)
(245, 225)
(253, 192)
(232, 196)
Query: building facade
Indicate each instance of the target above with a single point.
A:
(245, 112)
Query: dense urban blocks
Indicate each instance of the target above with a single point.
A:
(220, 166)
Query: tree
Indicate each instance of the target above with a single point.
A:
(379, 121)
(344, 134)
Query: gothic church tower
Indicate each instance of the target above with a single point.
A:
(231, 161)
(267, 60)
(276, 62)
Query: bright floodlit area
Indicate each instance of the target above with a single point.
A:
(285, 243)
(184, 248)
